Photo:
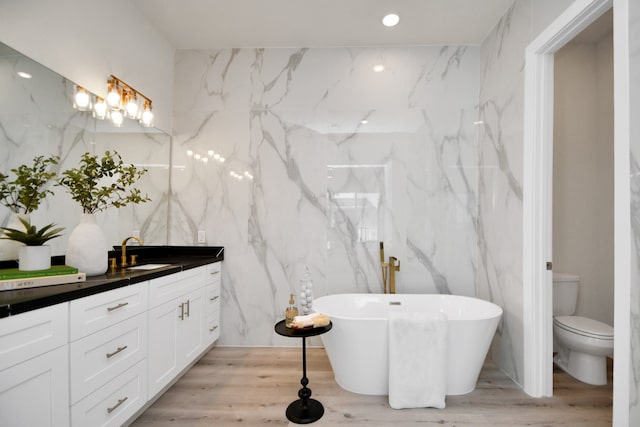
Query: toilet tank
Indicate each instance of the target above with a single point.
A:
(565, 293)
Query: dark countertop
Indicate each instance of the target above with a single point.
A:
(179, 257)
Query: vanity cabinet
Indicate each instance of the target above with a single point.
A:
(175, 325)
(104, 358)
(34, 368)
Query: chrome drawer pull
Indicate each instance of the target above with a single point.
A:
(214, 298)
(215, 272)
(122, 304)
(110, 355)
(188, 309)
(113, 408)
(181, 316)
(213, 329)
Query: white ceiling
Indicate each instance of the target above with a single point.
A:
(205, 24)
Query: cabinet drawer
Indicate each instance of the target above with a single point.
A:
(166, 288)
(214, 272)
(212, 297)
(211, 329)
(30, 334)
(98, 358)
(99, 311)
(115, 402)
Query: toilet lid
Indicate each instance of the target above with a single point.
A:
(585, 326)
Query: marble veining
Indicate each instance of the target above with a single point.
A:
(499, 275)
(327, 186)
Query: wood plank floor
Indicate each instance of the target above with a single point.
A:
(244, 386)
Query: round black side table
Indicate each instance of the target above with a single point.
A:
(304, 410)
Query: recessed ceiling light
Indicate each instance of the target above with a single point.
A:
(378, 68)
(391, 20)
(24, 75)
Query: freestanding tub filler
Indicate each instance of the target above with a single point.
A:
(357, 346)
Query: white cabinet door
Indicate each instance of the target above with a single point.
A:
(175, 338)
(36, 392)
(162, 354)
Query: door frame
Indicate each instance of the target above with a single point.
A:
(538, 190)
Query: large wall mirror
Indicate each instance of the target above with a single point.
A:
(37, 118)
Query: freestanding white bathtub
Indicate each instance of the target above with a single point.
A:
(357, 345)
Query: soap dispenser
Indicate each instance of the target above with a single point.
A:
(290, 313)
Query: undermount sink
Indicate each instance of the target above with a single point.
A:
(147, 266)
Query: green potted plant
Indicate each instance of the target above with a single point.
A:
(98, 183)
(34, 254)
(23, 194)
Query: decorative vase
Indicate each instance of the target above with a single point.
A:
(87, 248)
(34, 258)
(9, 249)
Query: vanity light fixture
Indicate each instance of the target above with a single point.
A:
(124, 98)
(81, 99)
(390, 20)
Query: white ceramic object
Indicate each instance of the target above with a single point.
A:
(583, 355)
(582, 345)
(87, 248)
(9, 249)
(357, 345)
(32, 258)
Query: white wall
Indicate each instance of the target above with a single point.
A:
(583, 172)
(75, 40)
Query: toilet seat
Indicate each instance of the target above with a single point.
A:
(584, 326)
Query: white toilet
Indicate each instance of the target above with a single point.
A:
(582, 344)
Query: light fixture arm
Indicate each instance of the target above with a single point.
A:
(122, 84)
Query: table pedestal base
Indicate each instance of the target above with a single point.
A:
(301, 413)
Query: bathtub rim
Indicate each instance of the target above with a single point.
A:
(482, 316)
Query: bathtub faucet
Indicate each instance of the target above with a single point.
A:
(393, 267)
(388, 271)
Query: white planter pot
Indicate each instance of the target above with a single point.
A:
(87, 248)
(9, 249)
(34, 258)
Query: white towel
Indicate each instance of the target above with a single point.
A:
(417, 360)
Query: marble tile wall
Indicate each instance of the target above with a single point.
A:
(500, 181)
(326, 187)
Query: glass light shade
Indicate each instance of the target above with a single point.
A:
(81, 99)
(131, 106)
(189, 153)
(117, 118)
(100, 109)
(146, 119)
(113, 96)
(378, 68)
(210, 153)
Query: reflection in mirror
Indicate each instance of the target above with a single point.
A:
(37, 118)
